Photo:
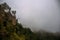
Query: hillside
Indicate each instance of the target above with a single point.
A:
(10, 29)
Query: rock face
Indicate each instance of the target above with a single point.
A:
(7, 19)
(7, 15)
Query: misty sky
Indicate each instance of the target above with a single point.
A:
(37, 14)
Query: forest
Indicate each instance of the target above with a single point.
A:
(10, 29)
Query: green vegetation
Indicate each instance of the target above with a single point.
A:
(10, 29)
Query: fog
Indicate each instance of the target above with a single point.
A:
(37, 14)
